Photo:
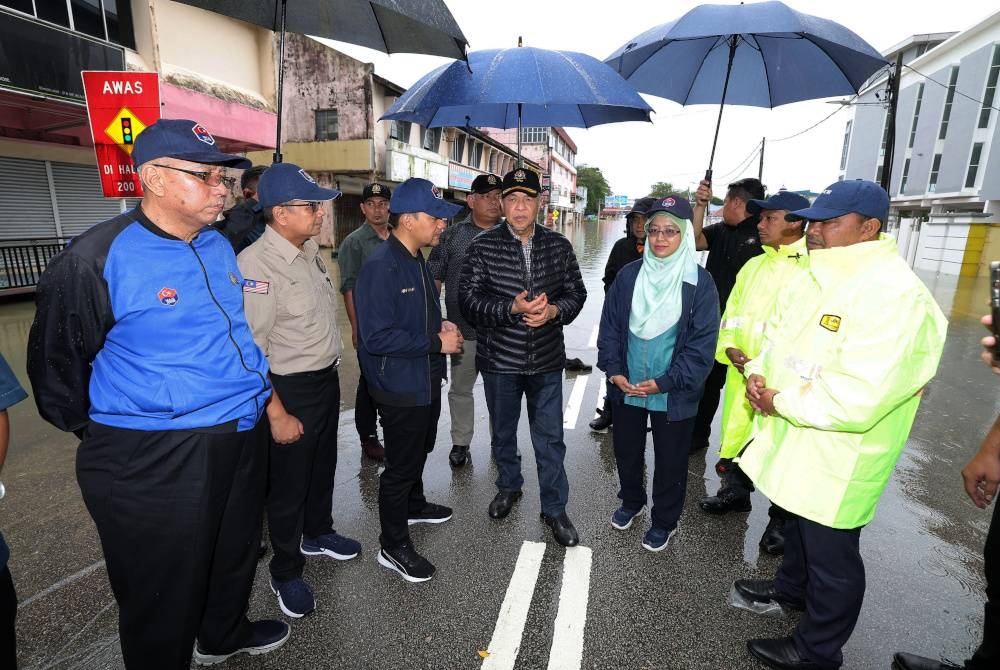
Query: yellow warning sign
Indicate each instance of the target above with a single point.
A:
(124, 128)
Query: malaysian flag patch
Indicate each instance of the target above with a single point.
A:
(255, 286)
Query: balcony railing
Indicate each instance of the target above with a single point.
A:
(23, 261)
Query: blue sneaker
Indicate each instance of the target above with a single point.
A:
(331, 544)
(656, 538)
(295, 598)
(623, 517)
(265, 635)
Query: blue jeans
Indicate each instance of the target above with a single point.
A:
(545, 417)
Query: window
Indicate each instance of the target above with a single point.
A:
(109, 20)
(25, 6)
(847, 141)
(935, 169)
(970, 176)
(476, 154)
(906, 175)
(885, 136)
(493, 162)
(948, 100)
(458, 147)
(534, 135)
(87, 17)
(879, 174)
(55, 11)
(400, 130)
(916, 116)
(326, 124)
(432, 139)
(991, 89)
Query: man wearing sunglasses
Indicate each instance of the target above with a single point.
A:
(290, 303)
(141, 347)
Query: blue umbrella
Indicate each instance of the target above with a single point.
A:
(763, 55)
(507, 88)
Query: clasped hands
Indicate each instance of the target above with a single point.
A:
(536, 312)
(761, 398)
(451, 338)
(641, 390)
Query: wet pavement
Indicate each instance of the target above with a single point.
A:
(641, 610)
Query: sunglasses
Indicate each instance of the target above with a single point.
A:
(210, 178)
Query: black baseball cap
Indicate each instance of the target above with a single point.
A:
(523, 180)
(376, 190)
(485, 183)
(641, 206)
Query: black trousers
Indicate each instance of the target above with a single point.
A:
(409, 434)
(988, 654)
(671, 447)
(301, 474)
(178, 514)
(709, 401)
(822, 566)
(8, 613)
(365, 414)
(735, 479)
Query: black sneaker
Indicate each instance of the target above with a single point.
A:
(265, 635)
(405, 560)
(459, 455)
(431, 513)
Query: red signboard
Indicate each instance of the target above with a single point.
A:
(120, 106)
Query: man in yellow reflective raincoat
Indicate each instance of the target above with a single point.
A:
(838, 382)
(758, 285)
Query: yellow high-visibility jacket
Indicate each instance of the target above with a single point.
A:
(754, 295)
(849, 352)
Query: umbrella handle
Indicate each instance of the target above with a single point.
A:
(708, 176)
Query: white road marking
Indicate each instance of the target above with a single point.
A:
(592, 342)
(566, 652)
(506, 640)
(575, 401)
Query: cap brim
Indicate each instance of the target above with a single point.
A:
(444, 210)
(815, 214)
(214, 158)
(523, 189)
(756, 206)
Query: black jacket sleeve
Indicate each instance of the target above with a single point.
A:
(72, 318)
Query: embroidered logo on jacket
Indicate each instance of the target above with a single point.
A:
(410, 289)
(168, 296)
(255, 286)
(831, 322)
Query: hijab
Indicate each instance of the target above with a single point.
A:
(656, 298)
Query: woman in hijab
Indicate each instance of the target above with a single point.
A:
(656, 345)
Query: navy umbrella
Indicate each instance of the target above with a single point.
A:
(763, 55)
(508, 88)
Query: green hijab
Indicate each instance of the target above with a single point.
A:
(656, 299)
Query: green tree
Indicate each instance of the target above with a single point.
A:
(596, 185)
(661, 189)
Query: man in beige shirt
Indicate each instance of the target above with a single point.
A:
(290, 305)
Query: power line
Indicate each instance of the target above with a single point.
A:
(981, 103)
(821, 121)
(743, 165)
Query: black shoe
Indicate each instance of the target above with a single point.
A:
(459, 455)
(372, 448)
(562, 529)
(726, 500)
(265, 635)
(773, 540)
(781, 654)
(904, 661)
(405, 560)
(502, 503)
(431, 513)
(763, 591)
(698, 443)
(602, 422)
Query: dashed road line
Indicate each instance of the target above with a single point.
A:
(566, 652)
(592, 342)
(506, 641)
(575, 402)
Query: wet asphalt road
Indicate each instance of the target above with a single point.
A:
(643, 610)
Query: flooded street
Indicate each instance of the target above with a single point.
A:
(923, 551)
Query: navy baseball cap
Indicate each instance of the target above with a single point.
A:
(843, 197)
(672, 204)
(283, 182)
(419, 195)
(780, 200)
(183, 139)
(485, 183)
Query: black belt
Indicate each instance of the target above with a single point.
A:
(313, 373)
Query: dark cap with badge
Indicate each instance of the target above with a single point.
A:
(521, 180)
(843, 197)
(182, 139)
(641, 206)
(284, 182)
(419, 195)
(485, 183)
(671, 204)
(786, 200)
(376, 190)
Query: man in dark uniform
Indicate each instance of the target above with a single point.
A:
(730, 244)
(244, 224)
(625, 250)
(445, 263)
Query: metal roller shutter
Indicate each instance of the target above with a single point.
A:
(78, 194)
(26, 209)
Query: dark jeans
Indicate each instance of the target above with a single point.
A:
(300, 496)
(365, 414)
(671, 447)
(709, 402)
(409, 434)
(8, 613)
(822, 566)
(988, 654)
(178, 514)
(545, 416)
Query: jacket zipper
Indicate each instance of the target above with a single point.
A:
(423, 288)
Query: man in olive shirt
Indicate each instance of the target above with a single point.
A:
(353, 252)
(290, 305)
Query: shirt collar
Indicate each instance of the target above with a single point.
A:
(288, 251)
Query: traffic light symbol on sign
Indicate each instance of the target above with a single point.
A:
(126, 131)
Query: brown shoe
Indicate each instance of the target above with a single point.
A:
(372, 448)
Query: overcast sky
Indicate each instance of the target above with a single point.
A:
(676, 146)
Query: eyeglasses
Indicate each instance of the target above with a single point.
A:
(210, 178)
(665, 232)
(313, 206)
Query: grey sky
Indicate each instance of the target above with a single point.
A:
(676, 146)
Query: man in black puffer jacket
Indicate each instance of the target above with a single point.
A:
(520, 285)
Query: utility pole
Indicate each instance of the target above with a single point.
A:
(760, 169)
(890, 139)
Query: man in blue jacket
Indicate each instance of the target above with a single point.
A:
(401, 342)
(140, 346)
